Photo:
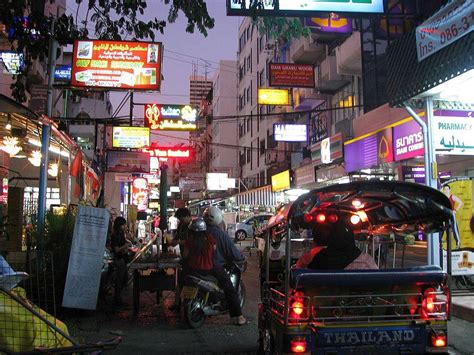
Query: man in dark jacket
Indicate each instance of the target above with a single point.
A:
(225, 253)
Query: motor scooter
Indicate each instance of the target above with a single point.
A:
(202, 297)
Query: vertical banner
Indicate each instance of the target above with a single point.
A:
(459, 192)
(86, 258)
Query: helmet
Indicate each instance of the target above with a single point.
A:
(213, 216)
(198, 225)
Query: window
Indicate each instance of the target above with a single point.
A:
(248, 94)
(261, 78)
(248, 33)
(249, 156)
(248, 124)
(249, 63)
(262, 146)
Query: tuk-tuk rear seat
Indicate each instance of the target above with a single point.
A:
(424, 275)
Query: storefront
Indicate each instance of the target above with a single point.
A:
(325, 167)
(432, 69)
(20, 160)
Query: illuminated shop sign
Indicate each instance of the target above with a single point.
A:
(333, 23)
(12, 62)
(219, 182)
(292, 75)
(170, 153)
(130, 137)
(369, 151)
(286, 132)
(407, 141)
(62, 73)
(170, 117)
(116, 65)
(281, 181)
(140, 193)
(304, 7)
(279, 97)
(453, 132)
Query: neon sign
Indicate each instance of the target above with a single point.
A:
(170, 153)
(170, 117)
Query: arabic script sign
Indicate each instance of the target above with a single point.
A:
(445, 27)
(170, 117)
(453, 134)
(116, 65)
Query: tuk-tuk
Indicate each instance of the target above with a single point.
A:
(341, 311)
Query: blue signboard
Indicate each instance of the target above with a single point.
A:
(62, 73)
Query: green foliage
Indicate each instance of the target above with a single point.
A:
(281, 28)
(112, 20)
(59, 229)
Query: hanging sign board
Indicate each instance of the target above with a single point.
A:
(331, 24)
(13, 62)
(281, 181)
(453, 133)
(286, 132)
(452, 22)
(130, 137)
(119, 65)
(180, 153)
(293, 8)
(280, 97)
(291, 75)
(170, 117)
(86, 258)
(140, 193)
(128, 162)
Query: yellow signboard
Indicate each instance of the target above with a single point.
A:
(273, 97)
(130, 137)
(281, 181)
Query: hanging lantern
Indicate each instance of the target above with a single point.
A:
(35, 158)
(10, 145)
(53, 170)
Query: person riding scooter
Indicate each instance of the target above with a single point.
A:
(225, 253)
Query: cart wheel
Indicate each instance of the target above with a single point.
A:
(136, 291)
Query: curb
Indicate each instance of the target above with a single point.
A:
(462, 307)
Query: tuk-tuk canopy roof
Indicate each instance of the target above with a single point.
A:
(384, 206)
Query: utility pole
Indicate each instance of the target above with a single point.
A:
(45, 136)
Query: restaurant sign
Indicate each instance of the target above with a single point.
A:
(170, 117)
(291, 75)
(116, 65)
(180, 153)
(288, 132)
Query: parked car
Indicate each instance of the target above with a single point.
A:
(247, 227)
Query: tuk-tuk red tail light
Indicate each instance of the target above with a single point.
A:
(320, 218)
(438, 340)
(298, 345)
(297, 308)
(428, 305)
(307, 217)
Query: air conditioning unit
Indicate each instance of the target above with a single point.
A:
(271, 157)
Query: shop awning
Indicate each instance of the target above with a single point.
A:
(408, 78)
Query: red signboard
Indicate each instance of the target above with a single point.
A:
(291, 75)
(116, 65)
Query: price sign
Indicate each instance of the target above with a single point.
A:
(445, 27)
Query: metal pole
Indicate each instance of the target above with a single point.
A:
(430, 171)
(45, 135)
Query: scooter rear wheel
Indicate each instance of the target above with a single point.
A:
(193, 312)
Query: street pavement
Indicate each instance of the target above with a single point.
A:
(157, 330)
